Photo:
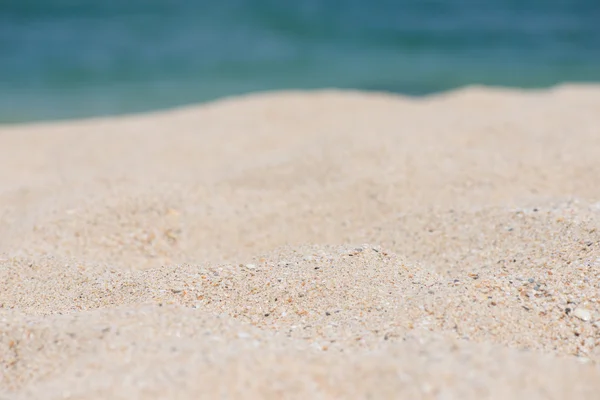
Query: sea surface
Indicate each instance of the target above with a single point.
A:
(78, 58)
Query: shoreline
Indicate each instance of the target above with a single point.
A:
(287, 92)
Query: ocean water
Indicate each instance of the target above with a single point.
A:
(77, 58)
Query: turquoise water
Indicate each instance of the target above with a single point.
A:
(76, 58)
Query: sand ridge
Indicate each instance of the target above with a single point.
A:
(307, 244)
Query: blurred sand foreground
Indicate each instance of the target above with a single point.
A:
(316, 245)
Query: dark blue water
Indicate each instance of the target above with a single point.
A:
(74, 58)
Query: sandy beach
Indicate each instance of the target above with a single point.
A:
(309, 245)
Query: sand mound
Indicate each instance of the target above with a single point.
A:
(220, 250)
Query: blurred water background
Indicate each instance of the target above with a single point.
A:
(77, 58)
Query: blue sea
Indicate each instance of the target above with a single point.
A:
(78, 58)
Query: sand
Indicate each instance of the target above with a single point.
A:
(322, 245)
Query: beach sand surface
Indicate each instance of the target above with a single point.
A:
(310, 245)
